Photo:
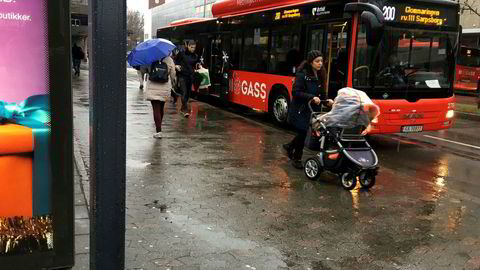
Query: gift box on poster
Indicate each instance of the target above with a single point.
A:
(25, 181)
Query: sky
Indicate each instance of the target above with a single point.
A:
(140, 5)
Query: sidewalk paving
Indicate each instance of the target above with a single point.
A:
(82, 225)
(467, 107)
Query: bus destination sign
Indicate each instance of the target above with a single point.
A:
(414, 14)
(288, 14)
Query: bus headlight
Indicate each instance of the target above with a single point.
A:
(450, 114)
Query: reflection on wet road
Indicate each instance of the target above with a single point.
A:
(233, 200)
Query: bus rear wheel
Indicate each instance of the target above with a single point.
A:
(279, 109)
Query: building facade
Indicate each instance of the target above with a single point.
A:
(470, 22)
(163, 14)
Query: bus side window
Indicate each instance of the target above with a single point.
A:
(284, 52)
(255, 50)
(234, 57)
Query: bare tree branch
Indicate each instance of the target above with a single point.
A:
(135, 24)
(468, 5)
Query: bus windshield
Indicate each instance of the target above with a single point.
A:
(469, 57)
(405, 60)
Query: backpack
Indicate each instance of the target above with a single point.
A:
(158, 72)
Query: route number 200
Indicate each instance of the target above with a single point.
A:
(389, 13)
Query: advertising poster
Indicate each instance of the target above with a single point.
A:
(25, 133)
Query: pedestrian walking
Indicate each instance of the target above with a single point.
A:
(77, 57)
(309, 85)
(158, 91)
(187, 62)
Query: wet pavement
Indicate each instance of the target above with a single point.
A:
(466, 99)
(217, 192)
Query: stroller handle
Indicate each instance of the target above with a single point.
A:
(322, 102)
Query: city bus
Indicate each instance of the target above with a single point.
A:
(401, 53)
(467, 78)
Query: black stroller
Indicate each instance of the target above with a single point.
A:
(342, 150)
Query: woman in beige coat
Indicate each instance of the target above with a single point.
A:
(159, 93)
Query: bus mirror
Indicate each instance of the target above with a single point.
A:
(374, 28)
(371, 16)
(364, 7)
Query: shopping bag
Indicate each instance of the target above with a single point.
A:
(203, 77)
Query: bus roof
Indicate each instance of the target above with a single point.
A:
(227, 8)
(189, 21)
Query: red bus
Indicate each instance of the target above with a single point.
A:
(401, 53)
(467, 78)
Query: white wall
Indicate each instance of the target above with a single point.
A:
(147, 28)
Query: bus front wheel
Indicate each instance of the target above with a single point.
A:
(279, 108)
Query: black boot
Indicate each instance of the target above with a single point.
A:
(297, 164)
(289, 148)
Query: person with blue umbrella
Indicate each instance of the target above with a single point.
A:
(161, 75)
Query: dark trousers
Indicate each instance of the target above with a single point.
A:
(297, 144)
(76, 66)
(185, 84)
(158, 108)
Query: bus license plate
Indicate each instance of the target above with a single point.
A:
(410, 129)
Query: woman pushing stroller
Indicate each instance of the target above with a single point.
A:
(310, 82)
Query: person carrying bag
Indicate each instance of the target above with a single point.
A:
(161, 78)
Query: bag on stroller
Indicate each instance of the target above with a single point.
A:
(342, 147)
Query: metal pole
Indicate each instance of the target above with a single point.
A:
(108, 35)
(204, 7)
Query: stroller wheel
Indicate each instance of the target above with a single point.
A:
(349, 181)
(312, 168)
(367, 180)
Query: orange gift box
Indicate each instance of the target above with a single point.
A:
(16, 170)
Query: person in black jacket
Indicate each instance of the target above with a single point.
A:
(77, 57)
(186, 63)
(309, 86)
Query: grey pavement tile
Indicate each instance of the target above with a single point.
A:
(82, 244)
(81, 211)
(82, 226)
(82, 262)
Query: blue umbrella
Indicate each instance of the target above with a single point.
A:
(150, 51)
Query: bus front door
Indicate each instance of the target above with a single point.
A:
(219, 49)
(332, 39)
(337, 55)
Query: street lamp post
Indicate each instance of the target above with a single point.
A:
(108, 32)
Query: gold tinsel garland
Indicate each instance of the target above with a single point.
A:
(21, 235)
